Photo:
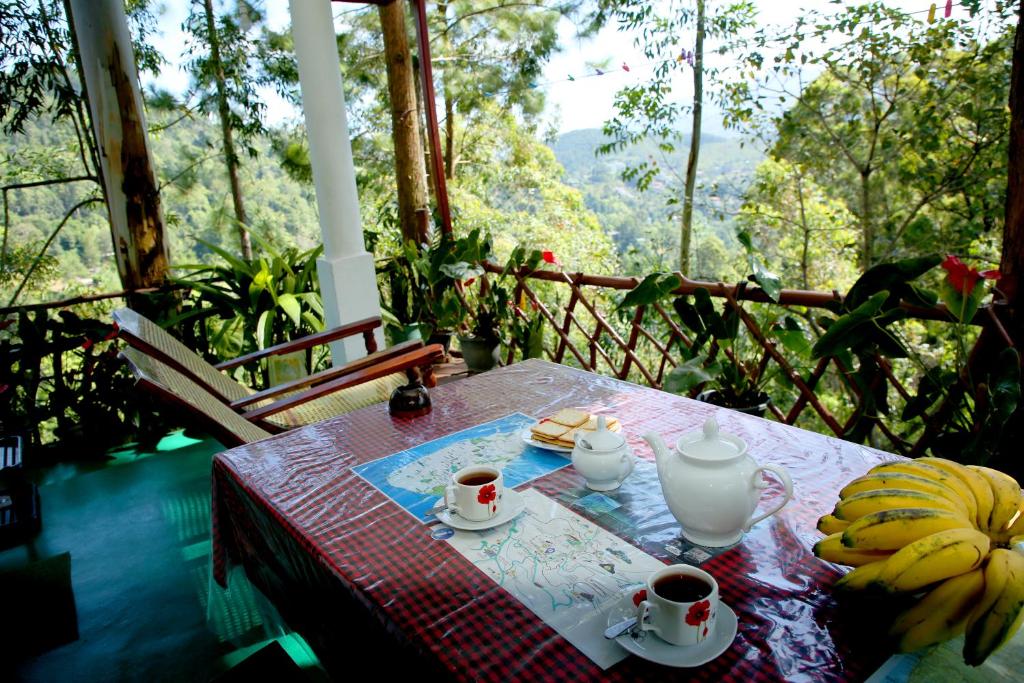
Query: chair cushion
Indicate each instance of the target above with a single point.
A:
(338, 402)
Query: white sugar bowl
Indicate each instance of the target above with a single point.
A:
(602, 457)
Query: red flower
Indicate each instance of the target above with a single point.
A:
(487, 494)
(549, 257)
(639, 597)
(111, 334)
(699, 613)
(962, 278)
(87, 344)
(468, 282)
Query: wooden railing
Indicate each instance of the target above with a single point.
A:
(641, 344)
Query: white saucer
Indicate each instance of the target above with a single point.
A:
(511, 505)
(527, 436)
(654, 649)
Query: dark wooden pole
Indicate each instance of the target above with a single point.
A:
(410, 169)
(429, 97)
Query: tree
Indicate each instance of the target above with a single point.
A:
(410, 167)
(648, 110)
(906, 122)
(225, 78)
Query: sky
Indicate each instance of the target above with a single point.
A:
(585, 102)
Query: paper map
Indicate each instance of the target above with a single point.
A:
(567, 570)
(415, 478)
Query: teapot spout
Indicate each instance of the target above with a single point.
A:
(661, 453)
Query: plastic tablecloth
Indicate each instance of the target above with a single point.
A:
(366, 584)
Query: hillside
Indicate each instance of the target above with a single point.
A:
(645, 223)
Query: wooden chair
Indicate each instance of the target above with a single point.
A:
(195, 403)
(331, 392)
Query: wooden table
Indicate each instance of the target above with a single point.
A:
(364, 581)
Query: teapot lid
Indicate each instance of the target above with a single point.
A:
(601, 440)
(710, 444)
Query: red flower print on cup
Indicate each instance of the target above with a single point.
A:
(639, 597)
(487, 494)
(699, 613)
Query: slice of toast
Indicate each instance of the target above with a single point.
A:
(570, 417)
(548, 430)
(591, 424)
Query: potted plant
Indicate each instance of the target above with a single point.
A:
(481, 343)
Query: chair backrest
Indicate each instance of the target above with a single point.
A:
(160, 344)
(178, 390)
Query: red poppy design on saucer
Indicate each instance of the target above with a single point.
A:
(699, 613)
(639, 597)
(487, 495)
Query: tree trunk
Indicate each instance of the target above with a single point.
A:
(806, 248)
(119, 126)
(686, 231)
(1012, 263)
(410, 167)
(449, 100)
(224, 111)
(866, 222)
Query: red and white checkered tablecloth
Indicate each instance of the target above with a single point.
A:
(332, 551)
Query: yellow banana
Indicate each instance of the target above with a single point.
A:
(974, 481)
(940, 615)
(1001, 610)
(1006, 492)
(933, 472)
(860, 504)
(860, 577)
(901, 480)
(1016, 524)
(831, 548)
(830, 524)
(893, 529)
(934, 558)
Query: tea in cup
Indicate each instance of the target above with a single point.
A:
(475, 493)
(679, 604)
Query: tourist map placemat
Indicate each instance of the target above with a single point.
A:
(567, 570)
(416, 477)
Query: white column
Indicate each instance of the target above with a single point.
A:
(347, 279)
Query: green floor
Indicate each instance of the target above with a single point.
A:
(138, 532)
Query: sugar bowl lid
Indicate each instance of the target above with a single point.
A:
(710, 444)
(601, 440)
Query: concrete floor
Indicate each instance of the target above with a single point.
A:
(138, 531)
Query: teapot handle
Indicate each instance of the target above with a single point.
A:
(759, 483)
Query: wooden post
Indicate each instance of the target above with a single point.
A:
(430, 109)
(119, 125)
(410, 168)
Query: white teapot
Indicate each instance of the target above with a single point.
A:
(602, 457)
(712, 486)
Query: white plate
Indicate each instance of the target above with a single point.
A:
(511, 506)
(654, 649)
(528, 438)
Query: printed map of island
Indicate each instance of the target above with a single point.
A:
(415, 478)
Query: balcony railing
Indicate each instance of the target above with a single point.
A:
(641, 344)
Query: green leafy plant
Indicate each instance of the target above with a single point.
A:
(238, 306)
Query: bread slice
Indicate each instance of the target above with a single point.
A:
(548, 430)
(570, 417)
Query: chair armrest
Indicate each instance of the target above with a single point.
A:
(425, 356)
(364, 327)
(326, 375)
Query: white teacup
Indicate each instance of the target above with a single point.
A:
(475, 493)
(680, 604)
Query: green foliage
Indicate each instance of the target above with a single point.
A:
(241, 306)
(61, 379)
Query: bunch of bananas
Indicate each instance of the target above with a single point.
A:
(932, 526)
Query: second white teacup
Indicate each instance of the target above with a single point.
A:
(680, 604)
(475, 493)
